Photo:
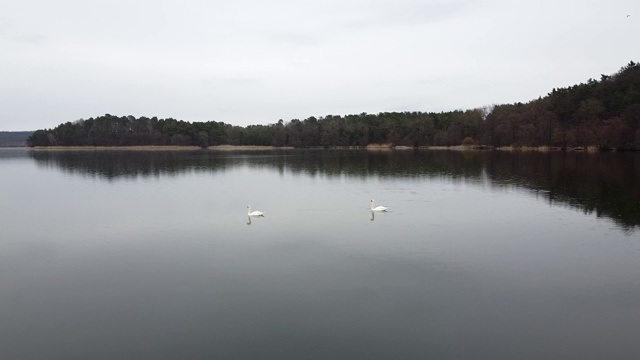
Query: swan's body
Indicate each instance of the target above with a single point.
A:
(378, 208)
(254, 213)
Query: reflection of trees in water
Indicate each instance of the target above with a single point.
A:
(604, 183)
(113, 165)
(128, 164)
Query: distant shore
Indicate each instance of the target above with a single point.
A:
(114, 148)
(247, 147)
(370, 147)
(156, 148)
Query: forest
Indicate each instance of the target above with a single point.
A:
(602, 113)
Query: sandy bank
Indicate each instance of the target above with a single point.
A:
(246, 147)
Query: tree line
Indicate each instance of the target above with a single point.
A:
(604, 113)
(408, 129)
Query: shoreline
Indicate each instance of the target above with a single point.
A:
(247, 148)
(158, 148)
(370, 147)
(115, 148)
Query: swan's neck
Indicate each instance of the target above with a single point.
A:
(372, 205)
(249, 210)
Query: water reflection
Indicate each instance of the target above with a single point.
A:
(605, 183)
(374, 213)
(88, 265)
(249, 217)
(12, 153)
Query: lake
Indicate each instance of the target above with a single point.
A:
(482, 255)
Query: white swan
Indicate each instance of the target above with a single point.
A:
(378, 208)
(255, 213)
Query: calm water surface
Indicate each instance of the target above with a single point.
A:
(120, 255)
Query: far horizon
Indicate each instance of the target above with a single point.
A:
(317, 116)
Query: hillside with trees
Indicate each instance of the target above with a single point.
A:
(602, 113)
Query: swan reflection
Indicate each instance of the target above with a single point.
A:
(374, 213)
(250, 216)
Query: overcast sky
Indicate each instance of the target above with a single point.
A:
(254, 61)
